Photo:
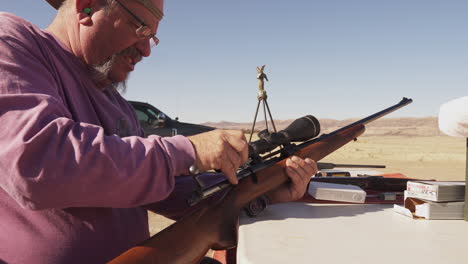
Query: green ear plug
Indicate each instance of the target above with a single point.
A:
(87, 10)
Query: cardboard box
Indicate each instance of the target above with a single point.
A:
(337, 192)
(421, 209)
(437, 191)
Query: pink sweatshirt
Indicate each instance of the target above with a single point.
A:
(73, 169)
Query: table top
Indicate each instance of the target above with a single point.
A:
(352, 233)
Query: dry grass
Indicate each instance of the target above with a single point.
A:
(435, 157)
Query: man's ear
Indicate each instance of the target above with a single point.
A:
(84, 10)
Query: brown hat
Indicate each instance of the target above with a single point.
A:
(156, 11)
(55, 3)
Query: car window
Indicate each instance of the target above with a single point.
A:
(152, 112)
(142, 116)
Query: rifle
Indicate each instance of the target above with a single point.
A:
(215, 227)
(374, 183)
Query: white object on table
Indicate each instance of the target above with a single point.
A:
(336, 192)
(453, 117)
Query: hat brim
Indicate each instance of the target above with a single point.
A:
(55, 3)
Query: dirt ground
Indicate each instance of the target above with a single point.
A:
(436, 157)
(432, 157)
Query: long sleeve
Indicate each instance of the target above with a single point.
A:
(58, 136)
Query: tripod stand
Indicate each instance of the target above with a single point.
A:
(262, 99)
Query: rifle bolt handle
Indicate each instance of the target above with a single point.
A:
(194, 170)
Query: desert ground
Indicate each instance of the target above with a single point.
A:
(426, 156)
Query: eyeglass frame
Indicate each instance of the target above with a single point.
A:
(143, 27)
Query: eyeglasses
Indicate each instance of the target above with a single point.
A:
(143, 32)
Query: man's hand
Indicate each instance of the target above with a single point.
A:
(225, 150)
(299, 171)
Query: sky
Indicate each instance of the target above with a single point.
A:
(331, 58)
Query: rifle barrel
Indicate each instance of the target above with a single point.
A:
(326, 166)
(405, 101)
(359, 166)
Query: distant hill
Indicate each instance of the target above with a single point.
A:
(404, 126)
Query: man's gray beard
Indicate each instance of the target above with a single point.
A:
(100, 75)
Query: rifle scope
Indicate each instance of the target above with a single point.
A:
(301, 129)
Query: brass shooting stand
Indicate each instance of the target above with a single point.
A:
(262, 98)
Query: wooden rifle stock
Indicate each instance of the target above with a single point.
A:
(216, 227)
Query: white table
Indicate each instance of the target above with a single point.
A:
(359, 233)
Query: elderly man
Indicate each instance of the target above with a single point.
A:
(75, 169)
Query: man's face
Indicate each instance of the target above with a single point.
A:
(117, 68)
(117, 48)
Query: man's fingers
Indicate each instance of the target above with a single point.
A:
(239, 144)
(229, 171)
(296, 183)
(236, 153)
(234, 157)
(221, 149)
(230, 163)
(308, 166)
(312, 169)
(299, 165)
(299, 171)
